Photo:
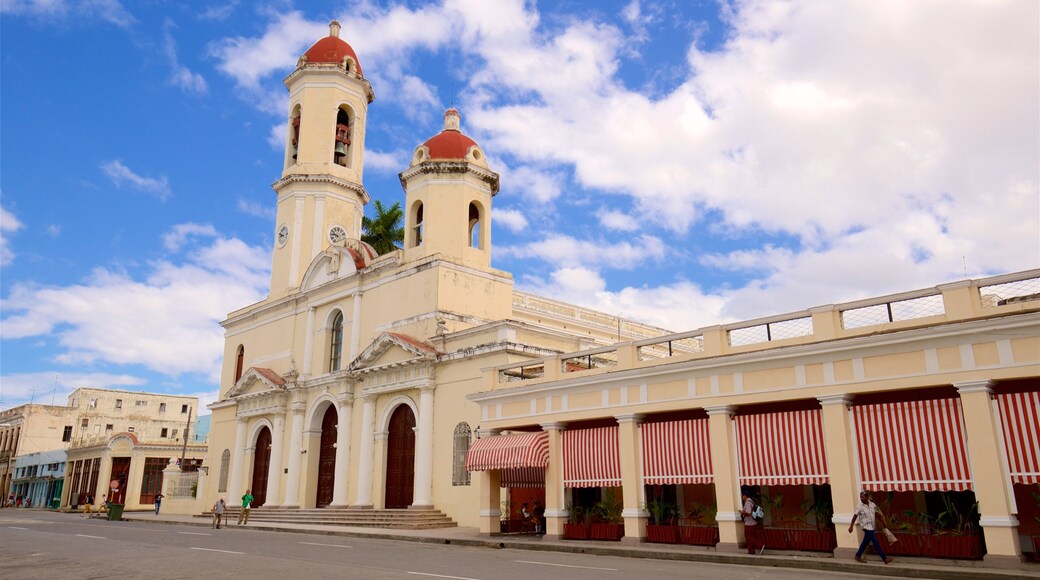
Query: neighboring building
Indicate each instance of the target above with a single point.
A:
(101, 413)
(125, 468)
(361, 380)
(201, 429)
(39, 478)
(28, 429)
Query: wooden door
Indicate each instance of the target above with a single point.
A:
(327, 458)
(120, 472)
(400, 459)
(261, 465)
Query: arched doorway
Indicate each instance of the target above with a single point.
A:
(327, 458)
(261, 465)
(400, 458)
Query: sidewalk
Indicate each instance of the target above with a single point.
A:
(470, 537)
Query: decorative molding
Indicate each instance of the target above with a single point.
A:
(357, 188)
(998, 521)
(721, 410)
(835, 399)
(980, 386)
(442, 167)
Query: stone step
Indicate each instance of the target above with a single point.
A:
(393, 518)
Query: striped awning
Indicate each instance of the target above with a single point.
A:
(509, 452)
(591, 457)
(676, 452)
(781, 448)
(523, 477)
(912, 446)
(1020, 418)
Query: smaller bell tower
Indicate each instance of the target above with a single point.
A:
(321, 197)
(448, 189)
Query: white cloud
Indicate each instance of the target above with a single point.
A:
(122, 175)
(166, 319)
(569, 251)
(9, 224)
(531, 183)
(386, 161)
(513, 220)
(181, 76)
(616, 220)
(218, 13)
(179, 234)
(53, 230)
(255, 209)
(110, 11)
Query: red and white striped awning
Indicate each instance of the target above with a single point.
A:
(523, 477)
(591, 457)
(676, 452)
(1020, 418)
(912, 446)
(509, 452)
(781, 448)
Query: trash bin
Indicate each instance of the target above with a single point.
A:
(115, 512)
(55, 503)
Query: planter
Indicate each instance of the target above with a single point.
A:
(699, 535)
(813, 540)
(1036, 548)
(664, 534)
(775, 538)
(608, 532)
(967, 547)
(517, 526)
(575, 531)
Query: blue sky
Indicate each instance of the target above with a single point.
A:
(682, 163)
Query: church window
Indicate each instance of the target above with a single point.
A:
(474, 226)
(239, 361)
(225, 463)
(295, 120)
(415, 235)
(336, 343)
(341, 151)
(459, 475)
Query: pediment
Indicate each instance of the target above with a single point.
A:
(256, 381)
(341, 260)
(393, 349)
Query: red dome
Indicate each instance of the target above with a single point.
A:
(449, 143)
(332, 49)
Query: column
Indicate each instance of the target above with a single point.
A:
(989, 473)
(364, 480)
(489, 493)
(839, 447)
(555, 504)
(308, 344)
(238, 457)
(631, 451)
(355, 326)
(292, 481)
(274, 470)
(343, 427)
(424, 451)
(724, 470)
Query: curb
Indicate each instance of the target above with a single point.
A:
(898, 570)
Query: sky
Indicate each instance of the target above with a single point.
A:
(679, 162)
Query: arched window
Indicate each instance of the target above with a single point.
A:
(294, 136)
(239, 361)
(415, 237)
(459, 475)
(474, 226)
(336, 343)
(225, 463)
(341, 150)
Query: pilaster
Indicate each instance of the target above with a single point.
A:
(630, 450)
(724, 470)
(555, 511)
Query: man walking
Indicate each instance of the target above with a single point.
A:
(247, 502)
(158, 502)
(218, 512)
(867, 514)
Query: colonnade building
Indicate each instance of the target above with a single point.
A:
(422, 379)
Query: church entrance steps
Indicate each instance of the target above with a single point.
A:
(408, 519)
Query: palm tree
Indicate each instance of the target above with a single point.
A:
(385, 232)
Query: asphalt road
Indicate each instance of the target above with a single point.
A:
(39, 544)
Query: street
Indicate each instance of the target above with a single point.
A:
(36, 543)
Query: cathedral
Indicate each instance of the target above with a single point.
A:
(420, 381)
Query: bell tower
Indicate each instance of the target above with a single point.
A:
(448, 189)
(321, 198)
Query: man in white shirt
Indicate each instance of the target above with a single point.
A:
(867, 514)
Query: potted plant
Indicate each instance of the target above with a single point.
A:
(697, 528)
(662, 527)
(577, 525)
(609, 524)
(821, 539)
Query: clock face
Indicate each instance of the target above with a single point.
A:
(283, 235)
(337, 234)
